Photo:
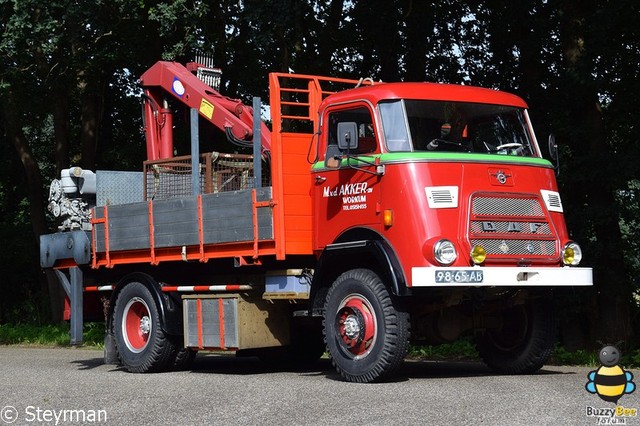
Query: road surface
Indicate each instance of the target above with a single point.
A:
(73, 386)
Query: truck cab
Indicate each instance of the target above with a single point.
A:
(441, 192)
(448, 175)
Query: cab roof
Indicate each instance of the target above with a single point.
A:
(424, 91)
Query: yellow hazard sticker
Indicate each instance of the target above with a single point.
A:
(206, 108)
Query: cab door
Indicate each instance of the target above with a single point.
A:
(346, 184)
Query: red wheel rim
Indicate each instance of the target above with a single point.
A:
(356, 325)
(136, 325)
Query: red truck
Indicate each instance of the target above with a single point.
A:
(370, 216)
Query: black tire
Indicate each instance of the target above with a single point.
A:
(307, 342)
(142, 345)
(184, 359)
(366, 333)
(110, 351)
(524, 341)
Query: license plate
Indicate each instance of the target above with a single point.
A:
(470, 276)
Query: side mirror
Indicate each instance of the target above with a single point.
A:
(553, 152)
(553, 147)
(348, 136)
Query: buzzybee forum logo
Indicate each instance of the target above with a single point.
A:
(610, 381)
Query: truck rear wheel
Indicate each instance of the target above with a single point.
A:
(523, 342)
(183, 359)
(366, 334)
(142, 344)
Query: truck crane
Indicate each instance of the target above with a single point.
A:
(384, 208)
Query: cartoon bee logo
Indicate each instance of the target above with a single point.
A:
(610, 381)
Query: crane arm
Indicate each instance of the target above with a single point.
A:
(229, 115)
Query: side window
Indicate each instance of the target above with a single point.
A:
(366, 134)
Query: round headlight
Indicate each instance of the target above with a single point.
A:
(478, 254)
(571, 254)
(445, 252)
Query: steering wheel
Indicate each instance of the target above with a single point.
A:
(509, 145)
(435, 143)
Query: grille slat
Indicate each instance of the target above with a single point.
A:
(517, 247)
(526, 228)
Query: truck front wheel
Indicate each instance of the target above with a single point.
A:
(524, 340)
(366, 333)
(141, 343)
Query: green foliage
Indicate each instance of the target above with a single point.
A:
(181, 23)
(462, 349)
(561, 356)
(589, 358)
(49, 335)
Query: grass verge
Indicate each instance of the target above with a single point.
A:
(49, 335)
(465, 350)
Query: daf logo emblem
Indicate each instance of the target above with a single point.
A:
(530, 248)
(504, 247)
(501, 176)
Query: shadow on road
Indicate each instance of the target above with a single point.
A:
(229, 364)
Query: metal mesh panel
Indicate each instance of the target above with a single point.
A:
(501, 206)
(170, 178)
(517, 247)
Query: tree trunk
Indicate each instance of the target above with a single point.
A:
(49, 284)
(328, 42)
(89, 131)
(590, 154)
(419, 19)
(61, 119)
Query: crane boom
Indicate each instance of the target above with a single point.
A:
(229, 115)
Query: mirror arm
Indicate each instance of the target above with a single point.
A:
(379, 167)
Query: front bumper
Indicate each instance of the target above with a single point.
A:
(500, 277)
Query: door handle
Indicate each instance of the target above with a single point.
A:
(320, 179)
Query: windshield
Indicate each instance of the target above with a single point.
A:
(418, 125)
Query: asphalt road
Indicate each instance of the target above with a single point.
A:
(58, 386)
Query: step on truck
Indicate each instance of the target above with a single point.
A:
(369, 216)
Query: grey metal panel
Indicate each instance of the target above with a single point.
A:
(114, 187)
(230, 309)
(128, 227)
(265, 215)
(191, 322)
(210, 323)
(228, 216)
(210, 318)
(65, 245)
(175, 222)
(98, 228)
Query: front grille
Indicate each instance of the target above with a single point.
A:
(511, 226)
(511, 206)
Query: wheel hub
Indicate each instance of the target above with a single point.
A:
(351, 327)
(145, 325)
(356, 326)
